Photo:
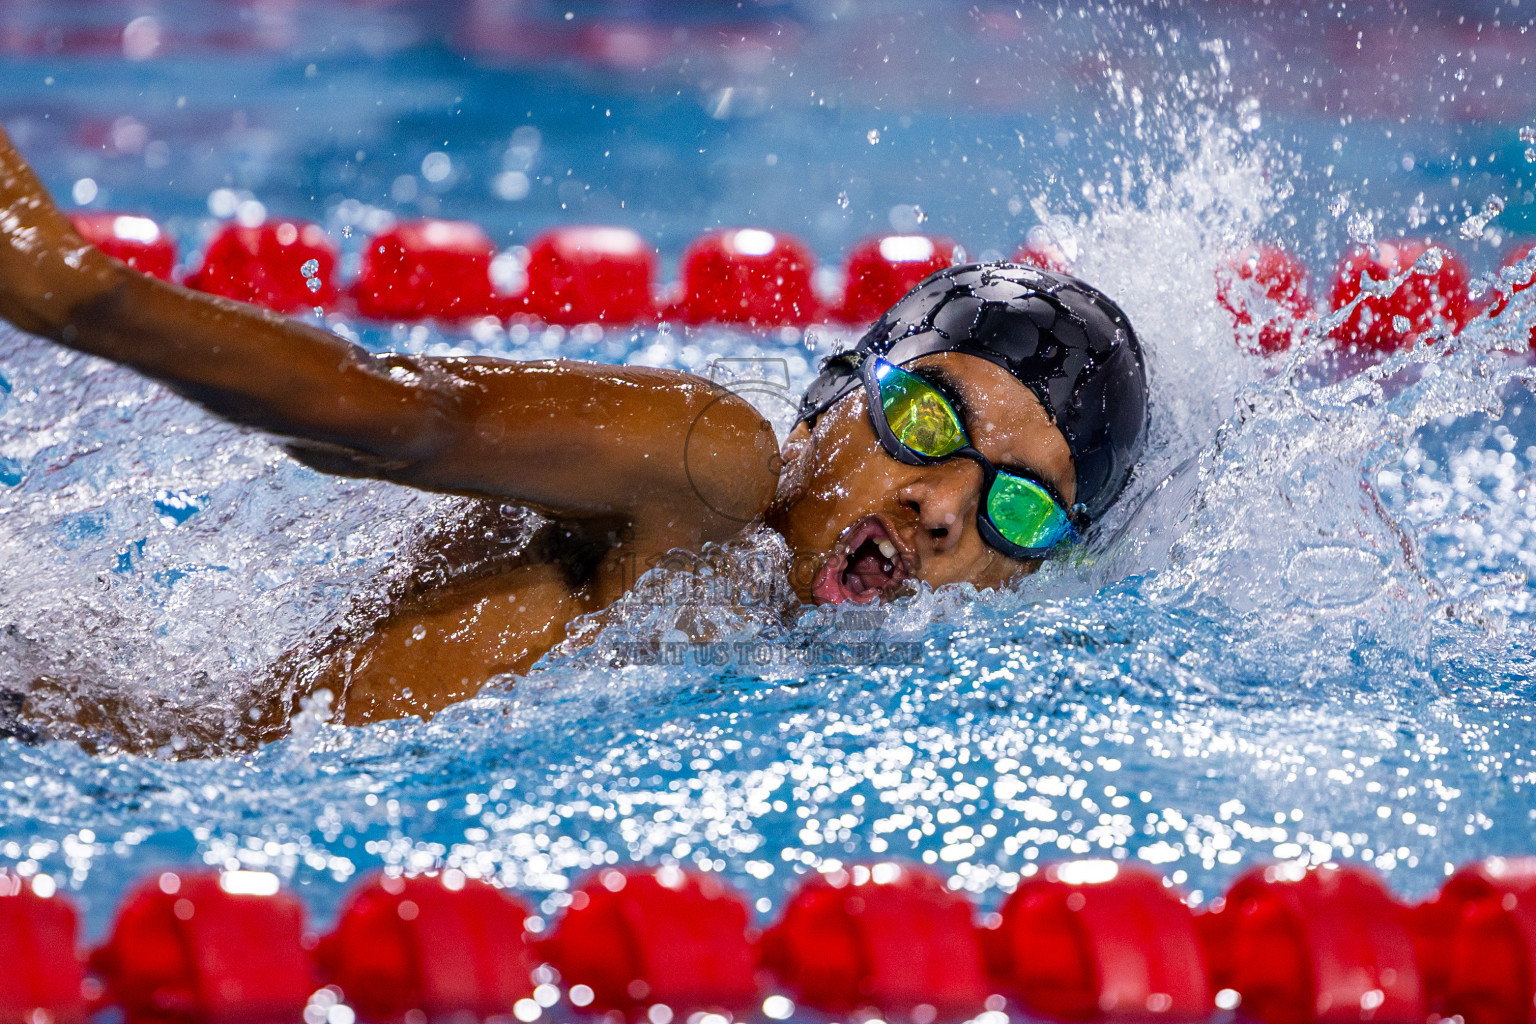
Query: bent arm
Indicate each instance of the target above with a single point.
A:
(575, 440)
(611, 444)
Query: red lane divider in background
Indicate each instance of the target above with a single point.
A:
(1421, 303)
(888, 936)
(137, 241)
(1039, 250)
(419, 269)
(590, 274)
(637, 938)
(1093, 940)
(1517, 254)
(579, 274)
(748, 276)
(40, 969)
(1325, 945)
(1265, 289)
(442, 946)
(201, 947)
(882, 270)
(1477, 943)
(267, 265)
(1083, 941)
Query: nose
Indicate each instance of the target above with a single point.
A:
(943, 499)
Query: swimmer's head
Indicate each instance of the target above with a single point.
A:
(1047, 377)
(1062, 339)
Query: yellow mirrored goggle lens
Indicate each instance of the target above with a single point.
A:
(918, 414)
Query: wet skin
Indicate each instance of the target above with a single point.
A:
(837, 478)
(630, 463)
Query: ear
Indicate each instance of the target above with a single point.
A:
(795, 458)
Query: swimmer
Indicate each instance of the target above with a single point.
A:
(980, 425)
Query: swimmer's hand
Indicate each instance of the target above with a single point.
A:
(46, 268)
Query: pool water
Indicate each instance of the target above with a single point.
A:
(1305, 633)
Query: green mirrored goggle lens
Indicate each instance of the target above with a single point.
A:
(919, 414)
(1025, 513)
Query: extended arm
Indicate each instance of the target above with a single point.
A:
(617, 446)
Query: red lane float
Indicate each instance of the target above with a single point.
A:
(1094, 940)
(1318, 946)
(444, 946)
(1477, 943)
(597, 274)
(1086, 940)
(270, 265)
(207, 948)
(41, 973)
(137, 241)
(1265, 289)
(428, 268)
(882, 270)
(885, 936)
(590, 274)
(1422, 302)
(748, 276)
(1040, 250)
(638, 938)
(1517, 254)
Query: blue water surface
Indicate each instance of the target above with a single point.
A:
(1305, 634)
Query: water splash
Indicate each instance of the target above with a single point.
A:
(1304, 634)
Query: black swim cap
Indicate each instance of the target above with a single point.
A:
(1063, 339)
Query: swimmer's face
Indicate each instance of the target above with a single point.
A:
(846, 505)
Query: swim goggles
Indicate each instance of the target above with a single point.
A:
(1019, 515)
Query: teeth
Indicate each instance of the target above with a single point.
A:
(886, 548)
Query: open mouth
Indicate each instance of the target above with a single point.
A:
(865, 565)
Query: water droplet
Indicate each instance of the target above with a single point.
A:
(842, 199)
(1528, 133)
(310, 268)
(1430, 262)
(873, 136)
(1338, 204)
(346, 231)
(1401, 324)
(905, 218)
(1473, 227)
(1248, 116)
(1361, 230)
(436, 167)
(419, 632)
(313, 284)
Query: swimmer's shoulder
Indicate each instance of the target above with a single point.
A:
(443, 647)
